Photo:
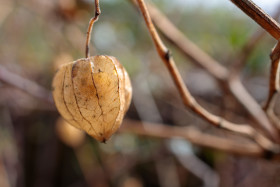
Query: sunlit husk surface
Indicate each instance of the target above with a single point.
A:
(93, 94)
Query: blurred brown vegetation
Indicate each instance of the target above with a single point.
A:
(37, 148)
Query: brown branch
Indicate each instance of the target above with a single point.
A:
(187, 47)
(221, 74)
(187, 98)
(273, 85)
(91, 22)
(274, 77)
(239, 63)
(193, 135)
(213, 67)
(25, 85)
(244, 98)
(259, 16)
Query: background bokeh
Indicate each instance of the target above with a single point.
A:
(37, 148)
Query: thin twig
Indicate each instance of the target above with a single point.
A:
(187, 98)
(91, 22)
(273, 84)
(193, 135)
(259, 16)
(220, 73)
(274, 77)
(244, 98)
(238, 64)
(187, 47)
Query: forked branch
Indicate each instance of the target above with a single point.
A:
(220, 73)
(91, 22)
(188, 99)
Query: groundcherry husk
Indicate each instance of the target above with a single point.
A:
(93, 94)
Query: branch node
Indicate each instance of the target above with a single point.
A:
(167, 55)
(97, 13)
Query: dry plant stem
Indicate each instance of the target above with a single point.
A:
(239, 63)
(187, 98)
(274, 77)
(259, 16)
(221, 74)
(188, 48)
(91, 22)
(245, 99)
(193, 135)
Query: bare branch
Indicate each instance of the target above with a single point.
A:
(214, 68)
(273, 85)
(259, 16)
(187, 98)
(187, 47)
(274, 76)
(91, 22)
(193, 135)
(244, 98)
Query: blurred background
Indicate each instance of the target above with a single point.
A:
(37, 148)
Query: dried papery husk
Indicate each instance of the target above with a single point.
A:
(68, 134)
(93, 94)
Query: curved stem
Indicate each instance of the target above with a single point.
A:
(274, 77)
(225, 78)
(188, 100)
(91, 22)
(273, 85)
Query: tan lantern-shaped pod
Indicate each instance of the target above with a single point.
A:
(93, 93)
